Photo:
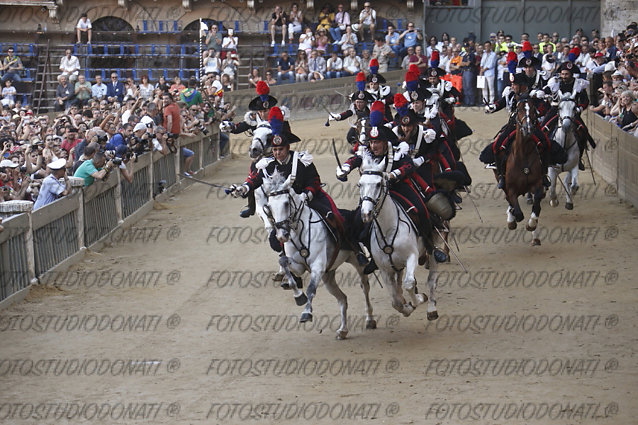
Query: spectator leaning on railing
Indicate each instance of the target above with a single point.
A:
(52, 188)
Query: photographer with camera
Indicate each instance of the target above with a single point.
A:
(411, 37)
(141, 141)
(54, 186)
(96, 168)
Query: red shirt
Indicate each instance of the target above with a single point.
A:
(67, 145)
(173, 110)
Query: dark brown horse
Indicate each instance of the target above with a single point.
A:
(524, 171)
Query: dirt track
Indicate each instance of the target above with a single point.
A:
(199, 334)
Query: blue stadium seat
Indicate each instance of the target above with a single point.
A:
(237, 26)
(400, 25)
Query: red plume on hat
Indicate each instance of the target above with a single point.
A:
(376, 113)
(276, 119)
(527, 49)
(263, 90)
(411, 80)
(401, 104)
(434, 59)
(374, 66)
(573, 54)
(361, 81)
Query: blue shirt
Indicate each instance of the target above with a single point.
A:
(392, 39)
(410, 39)
(49, 191)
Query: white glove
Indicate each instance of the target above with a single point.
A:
(538, 94)
(306, 197)
(333, 117)
(450, 100)
(429, 135)
(418, 161)
(578, 109)
(250, 118)
(433, 113)
(225, 126)
(343, 171)
(393, 175)
(490, 108)
(241, 190)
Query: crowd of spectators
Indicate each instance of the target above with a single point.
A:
(220, 59)
(100, 128)
(327, 47)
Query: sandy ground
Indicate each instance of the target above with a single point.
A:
(177, 321)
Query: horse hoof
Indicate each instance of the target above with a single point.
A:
(285, 285)
(371, 324)
(553, 202)
(511, 225)
(433, 315)
(342, 335)
(301, 300)
(536, 242)
(305, 317)
(530, 228)
(569, 206)
(575, 190)
(530, 201)
(277, 277)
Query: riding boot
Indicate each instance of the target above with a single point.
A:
(581, 138)
(250, 208)
(364, 238)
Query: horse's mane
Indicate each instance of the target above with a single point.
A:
(369, 163)
(274, 182)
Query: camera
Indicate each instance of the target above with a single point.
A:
(117, 161)
(23, 169)
(102, 138)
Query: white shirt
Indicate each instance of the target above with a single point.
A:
(98, 91)
(70, 65)
(230, 43)
(369, 18)
(335, 65)
(84, 25)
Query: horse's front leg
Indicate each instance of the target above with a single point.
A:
(536, 212)
(569, 201)
(316, 274)
(433, 314)
(342, 300)
(409, 280)
(396, 292)
(553, 175)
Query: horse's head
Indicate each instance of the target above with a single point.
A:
(372, 187)
(566, 110)
(283, 203)
(259, 145)
(525, 115)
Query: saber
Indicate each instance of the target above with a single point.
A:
(327, 124)
(591, 167)
(467, 191)
(341, 94)
(451, 250)
(334, 150)
(227, 190)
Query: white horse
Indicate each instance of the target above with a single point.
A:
(309, 246)
(566, 138)
(394, 243)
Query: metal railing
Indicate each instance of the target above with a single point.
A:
(35, 242)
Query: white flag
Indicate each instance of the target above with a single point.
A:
(203, 28)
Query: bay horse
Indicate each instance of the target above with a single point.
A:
(524, 170)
